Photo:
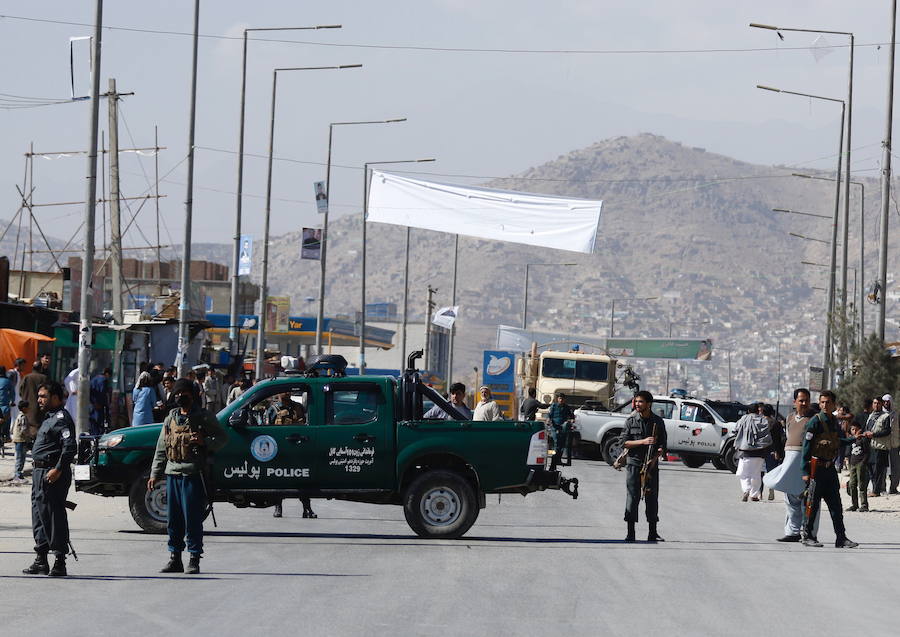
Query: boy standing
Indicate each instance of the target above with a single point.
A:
(859, 468)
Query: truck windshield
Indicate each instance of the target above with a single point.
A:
(594, 371)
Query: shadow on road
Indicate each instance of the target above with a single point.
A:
(117, 578)
(418, 541)
(295, 574)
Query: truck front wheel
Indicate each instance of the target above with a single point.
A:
(148, 508)
(440, 504)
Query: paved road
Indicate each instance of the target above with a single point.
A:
(544, 564)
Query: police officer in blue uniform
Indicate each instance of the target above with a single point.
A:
(54, 449)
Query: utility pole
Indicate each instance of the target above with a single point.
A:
(156, 187)
(886, 177)
(667, 362)
(405, 304)
(115, 223)
(428, 310)
(453, 304)
(846, 247)
(85, 335)
(184, 303)
(778, 382)
(729, 375)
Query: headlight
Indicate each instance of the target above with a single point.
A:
(112, 441)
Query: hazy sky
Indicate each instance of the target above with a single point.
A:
(481, 114)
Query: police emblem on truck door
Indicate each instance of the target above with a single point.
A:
(264, 448)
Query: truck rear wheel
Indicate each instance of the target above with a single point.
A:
(693, 462)
(148, 508)
(729, 458)
(611, 448)
(440, 504)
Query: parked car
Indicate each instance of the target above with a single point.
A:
(696, 430)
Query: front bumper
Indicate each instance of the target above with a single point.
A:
(101, 478)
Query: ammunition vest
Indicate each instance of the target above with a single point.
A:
(825, 445)
(179, 447)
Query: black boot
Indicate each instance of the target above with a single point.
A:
(59, 567)
(630, 536)
(193, 565)
(309, 513)
(39, 567)
(277, 512)
(175, 564)
(653, 536)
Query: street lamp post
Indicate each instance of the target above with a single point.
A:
(85, 328)
(801, 236)
(797, 212)
(612, 311)
(233, 329)
(320, 313)
(365, 214)
(525, 293)
(847, 144)
(855, 273)
(263, 288)
(861, 298)
(834, 227)
(184, 301)
(886, 178)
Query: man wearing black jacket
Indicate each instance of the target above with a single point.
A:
(52, 454)
(531, 405)
(643, 433)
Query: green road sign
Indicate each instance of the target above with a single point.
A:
(694, 349)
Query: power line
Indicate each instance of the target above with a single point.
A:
(28, 98)
(494, 177)
(17, 107)
(449, 49)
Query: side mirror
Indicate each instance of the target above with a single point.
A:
(239, 418)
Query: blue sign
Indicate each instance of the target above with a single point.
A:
(245, 256)
(499, 370)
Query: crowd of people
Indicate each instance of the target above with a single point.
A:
(816, 445)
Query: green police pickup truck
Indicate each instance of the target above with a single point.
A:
(325, 435)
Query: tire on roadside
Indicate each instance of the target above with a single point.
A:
(148, 509)
(610, 448)
(440, 504)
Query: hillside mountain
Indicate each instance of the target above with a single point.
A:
(692, 228)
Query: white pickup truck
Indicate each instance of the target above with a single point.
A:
(698, 430)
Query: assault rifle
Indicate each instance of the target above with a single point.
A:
(649, 460)
(808, 497)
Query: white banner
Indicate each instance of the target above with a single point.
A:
(445, 316)
(500, 215)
